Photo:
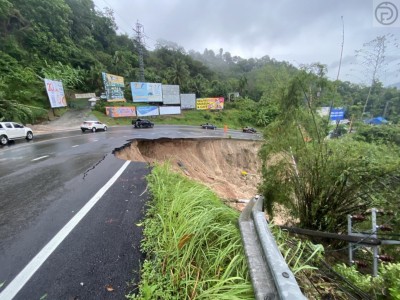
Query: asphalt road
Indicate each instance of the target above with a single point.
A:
(66, 230)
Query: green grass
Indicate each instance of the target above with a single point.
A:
(193, 243)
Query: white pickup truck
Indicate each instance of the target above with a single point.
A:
(12, 131)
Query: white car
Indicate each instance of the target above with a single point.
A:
(93, 126)
(13, 131)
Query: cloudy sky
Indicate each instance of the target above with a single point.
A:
(297, 31)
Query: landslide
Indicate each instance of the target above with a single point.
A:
(231, 168)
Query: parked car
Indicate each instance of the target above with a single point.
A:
(249, 130)
(142, 123)
(93, 126)
(13, 131)
(208, 126)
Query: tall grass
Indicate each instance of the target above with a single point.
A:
(193, 244)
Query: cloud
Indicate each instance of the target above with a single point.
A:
(302, 31)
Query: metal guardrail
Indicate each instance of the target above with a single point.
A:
(270, 275)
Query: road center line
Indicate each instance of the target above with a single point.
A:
(30, 269)
(74, 146)
(40, 158)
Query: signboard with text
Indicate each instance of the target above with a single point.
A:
(114, 86)
(85, 96)
(337, 114)
(55, 91)
(210, 103)
(121, 111)
(146, 92)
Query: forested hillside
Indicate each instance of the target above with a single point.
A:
(70, 40)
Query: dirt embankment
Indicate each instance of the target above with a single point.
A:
(231, 168)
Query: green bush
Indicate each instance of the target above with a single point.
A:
(385, 286)
(382, 134)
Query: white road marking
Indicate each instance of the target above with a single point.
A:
(35, 159)
(22, 278)
(74, 146)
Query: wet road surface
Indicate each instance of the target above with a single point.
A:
(45, 183)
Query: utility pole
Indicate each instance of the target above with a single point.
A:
(140, 42)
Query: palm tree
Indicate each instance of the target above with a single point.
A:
(178, 73)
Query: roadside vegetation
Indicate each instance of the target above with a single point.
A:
(193, 244)
(319, 181)
(194, 248)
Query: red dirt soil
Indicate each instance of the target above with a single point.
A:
(231, 168)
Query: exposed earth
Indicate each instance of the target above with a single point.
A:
(231, 168)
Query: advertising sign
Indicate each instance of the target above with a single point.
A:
(114, 86)
(188, 101)
(337, 114)
(210, 103)
(121, 111)
(146, 92)
(147, 111)
(171, 94)
(170, 110)
(55, 91)
(85, 96)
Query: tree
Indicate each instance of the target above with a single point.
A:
(321, 181)
(178, 73)
(13, 110)
(373, 59)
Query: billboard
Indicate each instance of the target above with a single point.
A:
(114, 86)
(55, 91)
(143, 111)
(121, 111)
(171, 94)
(188, 101)
(337, 114)
(146, 92)
(210, 103)
(170, 110)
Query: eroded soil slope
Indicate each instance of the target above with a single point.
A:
(229, 167)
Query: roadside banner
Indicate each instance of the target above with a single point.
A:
(146, 92)
(55, 91)
(210, 103)
(120, 111)
(114, 86)
(147, 111)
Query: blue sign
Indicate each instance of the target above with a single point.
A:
(337, 114)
